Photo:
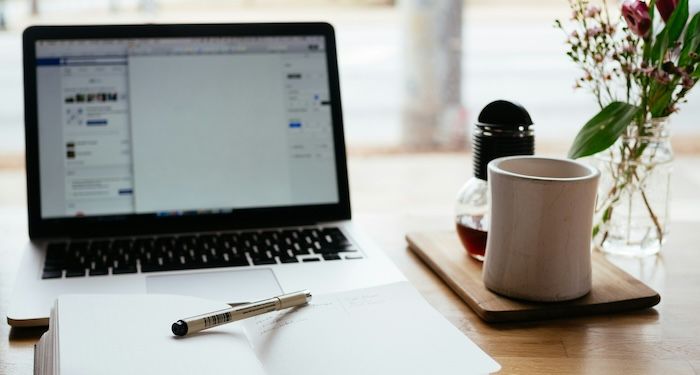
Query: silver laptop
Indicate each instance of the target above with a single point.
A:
(204, 160)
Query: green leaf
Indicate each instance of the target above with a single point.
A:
(671, 32)
(691, 41)
(603, 129)
(676, 23)
(662, 97)
(647, 44)
(660, 47)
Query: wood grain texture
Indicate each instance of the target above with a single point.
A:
(397, 194)
(613, 289)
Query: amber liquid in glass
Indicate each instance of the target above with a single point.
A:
(474, 241)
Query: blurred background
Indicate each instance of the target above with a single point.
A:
(414, 73)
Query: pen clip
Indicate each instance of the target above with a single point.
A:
(234, 304)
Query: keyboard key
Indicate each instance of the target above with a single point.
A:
(101, 246)
(124, 269)
(98, 272)
(56, 252)
(77, 248)
(53, 266)
(310, 260)
(238, 262)
(52, 274)
(263, 261)
(122, 243)
(289, 260)
(333, 250)
(150, 264)
(331, 256)
(75, 272)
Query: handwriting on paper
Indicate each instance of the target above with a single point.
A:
(336, 308)
(269, 322)
(363, 300)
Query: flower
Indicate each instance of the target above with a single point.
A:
(687, 82)
(666, 8)
(594, 31)
(610, 29)
(662, 77)
(636, 13)
(592, 11)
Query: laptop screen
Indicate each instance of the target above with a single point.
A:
(176, 126)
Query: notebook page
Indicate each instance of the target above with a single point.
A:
(51, 351)
(39, 357)
(130, 334)
(389, 329)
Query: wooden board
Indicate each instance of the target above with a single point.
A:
(613, 289)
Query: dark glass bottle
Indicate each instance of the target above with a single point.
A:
(503, 129)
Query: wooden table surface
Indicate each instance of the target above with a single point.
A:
(399, 193)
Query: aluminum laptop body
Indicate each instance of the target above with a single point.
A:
(205, 160)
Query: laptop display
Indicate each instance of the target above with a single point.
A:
(183, 125)
(195, 159)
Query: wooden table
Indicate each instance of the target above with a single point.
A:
(399, 193)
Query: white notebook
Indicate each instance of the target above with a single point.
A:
(388, 329)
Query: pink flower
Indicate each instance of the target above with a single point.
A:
(592, 11)
(662, 77)
(594, 31)
(636, 14)
(666, 8)
(687, 82)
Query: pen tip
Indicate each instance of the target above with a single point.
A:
(179, 328)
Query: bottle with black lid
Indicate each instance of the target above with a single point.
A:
(503, 129)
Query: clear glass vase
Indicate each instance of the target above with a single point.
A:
(632, 208)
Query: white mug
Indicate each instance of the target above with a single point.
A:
(539, 241)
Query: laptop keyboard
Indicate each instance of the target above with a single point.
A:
(182, 252)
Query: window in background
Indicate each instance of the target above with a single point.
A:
(510, 50)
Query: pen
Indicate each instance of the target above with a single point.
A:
(201, 322)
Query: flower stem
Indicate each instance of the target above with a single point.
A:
(654, 218)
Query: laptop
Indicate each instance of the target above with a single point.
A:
(204, 160)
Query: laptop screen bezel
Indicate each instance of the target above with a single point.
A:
(134, 224)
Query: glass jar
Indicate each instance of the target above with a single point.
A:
(634, 191)
(471, 216)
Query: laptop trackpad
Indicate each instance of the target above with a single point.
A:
(224, 286)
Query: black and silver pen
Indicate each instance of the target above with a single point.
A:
(201, 322)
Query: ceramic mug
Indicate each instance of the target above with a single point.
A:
(539, 242)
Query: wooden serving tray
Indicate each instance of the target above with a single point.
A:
(613, 289)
